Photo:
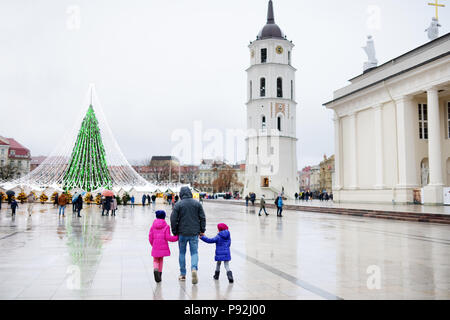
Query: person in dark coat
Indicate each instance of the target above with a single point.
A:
(14, 206)
(188, 221)
(223, 243)
(106, 205)
(153, 202)
(79, 205)
(55, 202)
(253, 198)
(246, 200)
(144, 197)
(149, 200)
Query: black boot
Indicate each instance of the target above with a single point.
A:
(157, 275)
(230, 276)
(216, 275)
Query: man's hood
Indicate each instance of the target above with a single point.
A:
(224, 234)
(185, 193)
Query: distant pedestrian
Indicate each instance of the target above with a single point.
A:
(153, 202)
(31, 198)
(144, 197)
(79, 205)
(279, 203)
(253, 198)
(149, 200)
(62, 201)
(262, 206)
(246, 200)
(14, 206)
(223, 243)
(296, 196)
(159, 237)
(114, 206)
(132, 201)
(106, 206)
(55, 200)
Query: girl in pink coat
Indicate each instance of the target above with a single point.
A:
(159, 236)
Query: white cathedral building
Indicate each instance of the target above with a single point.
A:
(392, 129)
(271, 160)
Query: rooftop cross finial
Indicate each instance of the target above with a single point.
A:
(270, 15)
(436, 5)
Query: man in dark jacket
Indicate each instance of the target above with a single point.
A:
(79, 205)
(188, 221)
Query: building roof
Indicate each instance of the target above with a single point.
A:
(422, 55)
(4, 141)
(271, 29)
(37, 160)
(164, 158)
(16, 150)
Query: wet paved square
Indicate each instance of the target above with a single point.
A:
(299, 256)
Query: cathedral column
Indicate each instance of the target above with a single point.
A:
(353, 153)
(337, 152)
(406, 136)
(379, 155)
(433, 192)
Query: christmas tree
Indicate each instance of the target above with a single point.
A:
(87, 168)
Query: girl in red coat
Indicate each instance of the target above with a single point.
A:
(159, 236)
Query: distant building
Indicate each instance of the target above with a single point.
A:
(188, 174)
(15, 157)
(314, 182)
(209, 170)
(392, 129)
(305, 178)
(164, 169)
(36, 162)
(326, 174)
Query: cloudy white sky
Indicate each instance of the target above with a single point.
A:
(158, 66)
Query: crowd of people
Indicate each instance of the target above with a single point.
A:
(309, 196)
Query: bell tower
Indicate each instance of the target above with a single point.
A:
(271, 158)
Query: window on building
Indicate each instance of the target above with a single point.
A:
(289, 57)
(263, 122)
(279, 88)
(279, 123)
(272, 150)
(264, 55)
(251, 90)
(262, 87)
(423, 121)
(257, 150)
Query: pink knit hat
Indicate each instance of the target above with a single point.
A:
(222, 226)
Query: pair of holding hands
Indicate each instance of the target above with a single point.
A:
(201, 235)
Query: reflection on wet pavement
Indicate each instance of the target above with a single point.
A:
(299, 256)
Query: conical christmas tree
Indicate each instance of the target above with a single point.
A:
(88, 168)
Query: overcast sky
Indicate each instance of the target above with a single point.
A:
(158, 66)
